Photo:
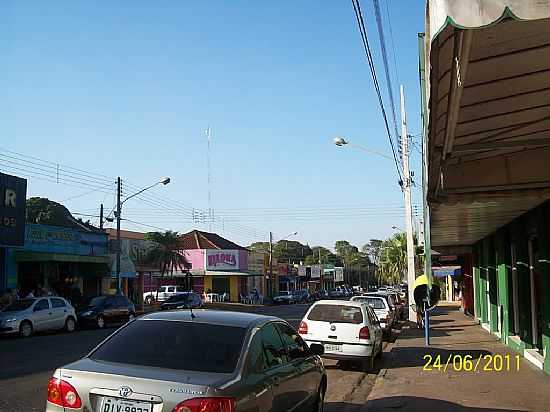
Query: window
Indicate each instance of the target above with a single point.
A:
(57, 303)
(373, 319)
(19, 305)
(274, 349)
(336, 314)
(175, 346)
(171, 289)
(120, 301)
(41, 305)
(375, 303)
(255, 362)
(294, 344)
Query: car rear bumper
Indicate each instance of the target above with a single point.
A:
(349, 350)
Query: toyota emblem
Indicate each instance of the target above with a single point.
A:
(125, 391)
(333, 327)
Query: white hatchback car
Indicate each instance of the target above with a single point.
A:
(348, 331)
(383, 311)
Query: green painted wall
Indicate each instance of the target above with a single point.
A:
(501, 259)
(521, 240)
(543, 266)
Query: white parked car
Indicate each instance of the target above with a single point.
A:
(27, 316)
(348, 331)
(383, 311)
(164, 292)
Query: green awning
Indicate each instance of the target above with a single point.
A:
(27, 256)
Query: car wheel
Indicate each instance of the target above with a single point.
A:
(131, 316)
(25, 329)
(320, 399)
(100, 322)
(70, 324)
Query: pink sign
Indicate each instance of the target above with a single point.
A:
(222, 259)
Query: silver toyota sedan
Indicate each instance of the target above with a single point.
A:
(205, 360)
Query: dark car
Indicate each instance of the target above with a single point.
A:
(206, 361)
(320, 295)
(336, 293)
(106, 309)
(186, 300)
(301, 296)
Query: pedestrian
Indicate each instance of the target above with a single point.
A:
(29, 295)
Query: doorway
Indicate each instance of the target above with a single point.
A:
(535, 282)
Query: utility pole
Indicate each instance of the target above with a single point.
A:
(411, 276)
(270, 283)
(118, 210)
(101, 217)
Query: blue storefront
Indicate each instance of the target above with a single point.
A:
(59, 259)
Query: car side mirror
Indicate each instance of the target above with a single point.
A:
(316, 349)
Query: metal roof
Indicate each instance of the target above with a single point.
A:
(488, 115)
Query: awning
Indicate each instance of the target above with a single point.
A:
(487, 64)
(444, 271)
(225, 273)
(29, 256)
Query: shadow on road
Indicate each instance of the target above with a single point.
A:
(408, 404)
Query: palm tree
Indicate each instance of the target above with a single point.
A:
(393, 258)
(167, 255)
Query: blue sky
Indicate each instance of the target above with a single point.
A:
(117, 90)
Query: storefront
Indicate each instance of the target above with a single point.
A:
(60, 260)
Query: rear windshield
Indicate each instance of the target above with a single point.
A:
(174, 346)
(372, 302)
(336, 314)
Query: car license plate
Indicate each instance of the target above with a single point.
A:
(124, 405)
(333, 348)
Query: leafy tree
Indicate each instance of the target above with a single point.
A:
(344, 248)
(291, 250)
(324, 256)
(373, 250)
(168, 256)
(259, 247)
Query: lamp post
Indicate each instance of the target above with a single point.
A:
(164, 181)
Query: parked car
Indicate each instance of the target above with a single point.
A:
(301, 296)
(164, 292)
(186, 300)
(392, 301)
(347, 330)
(214, 361)
(336, 293)
(27, 316)
(384, 313)
(107, 309)
(320, 294)
(284, 297)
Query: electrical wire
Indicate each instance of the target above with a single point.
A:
(87, 193)
(366, 46)
(389, 86)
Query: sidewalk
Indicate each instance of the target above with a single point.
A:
(404, 386)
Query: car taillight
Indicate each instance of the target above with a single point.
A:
(302, 330)
(63, 394)
(364, 333)
(206, 405)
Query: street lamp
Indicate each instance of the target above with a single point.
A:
(340, 142)
(164, 181)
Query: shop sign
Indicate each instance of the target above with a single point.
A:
(316, 272)
(56, 239)
(13, 195)
(222, 259)
(338, 274)
(302, 271)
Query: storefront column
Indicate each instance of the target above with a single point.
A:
(544, 267)
(476, 283)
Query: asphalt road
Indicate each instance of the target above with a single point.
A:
(27, 364)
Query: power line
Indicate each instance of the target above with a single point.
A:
(87, 193)
(386, 65)
(366, 46)
(395, 66)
